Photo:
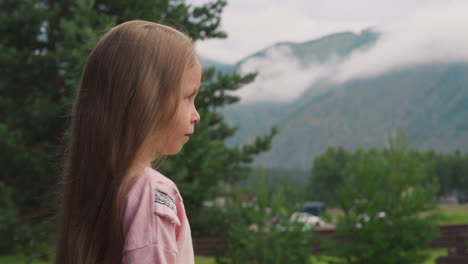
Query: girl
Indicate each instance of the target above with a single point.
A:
(134, 104)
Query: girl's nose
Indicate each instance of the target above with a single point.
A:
(196, 117)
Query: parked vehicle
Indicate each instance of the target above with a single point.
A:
(315, 208)
(310, 216)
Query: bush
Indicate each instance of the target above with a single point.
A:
(259, 230)
(384, 196)
(8, 217)
(34, 240)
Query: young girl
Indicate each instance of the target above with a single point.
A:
(134, 104)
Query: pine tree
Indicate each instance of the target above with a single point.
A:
(386, 198)
(43, 47)
(326, 174)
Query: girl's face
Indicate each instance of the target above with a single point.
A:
(183, 125)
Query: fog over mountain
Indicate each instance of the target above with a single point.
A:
(431, 36)
(352, 89)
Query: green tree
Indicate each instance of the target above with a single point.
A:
(327, 174)
(44, 45)
(260, 230)
(450, 170)
(7, 219)
(384, 196)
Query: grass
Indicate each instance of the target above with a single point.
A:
(454, 214)
(435, 254)
(204, 260)
(16, 259)
(432, 260)
(450, 214)
(322, 259)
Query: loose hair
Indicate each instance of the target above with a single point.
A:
(127, 96)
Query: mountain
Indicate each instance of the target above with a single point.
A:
(209, 63)
(338, 44)
(429, 102)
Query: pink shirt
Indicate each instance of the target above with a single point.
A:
(155, 226)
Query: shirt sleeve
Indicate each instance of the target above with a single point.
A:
(149, 225)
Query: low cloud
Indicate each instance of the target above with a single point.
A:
(435, 34)
(254, 25)
(281, 77)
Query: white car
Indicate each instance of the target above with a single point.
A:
(310, 221)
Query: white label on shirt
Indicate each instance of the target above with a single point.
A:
(164, 199)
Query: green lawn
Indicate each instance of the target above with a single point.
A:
(434, 255)
(454, 214)
(321, 260)
(451, 214)
(203, 260)
(15, 259)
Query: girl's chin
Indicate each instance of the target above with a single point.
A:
(172, 151)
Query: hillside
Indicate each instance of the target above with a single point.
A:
(429, 102)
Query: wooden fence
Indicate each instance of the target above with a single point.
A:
(452, 237)
(455, 239)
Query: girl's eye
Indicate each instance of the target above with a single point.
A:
(190, 97)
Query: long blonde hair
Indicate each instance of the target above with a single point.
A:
(127, 95)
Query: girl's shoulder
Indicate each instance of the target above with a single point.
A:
(156, 182)
(159, 178)
(158, 186)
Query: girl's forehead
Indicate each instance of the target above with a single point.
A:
(193, 74)
(192, 78)
(197, 67)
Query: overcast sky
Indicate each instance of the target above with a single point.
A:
(413, 32)
(254, 24)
